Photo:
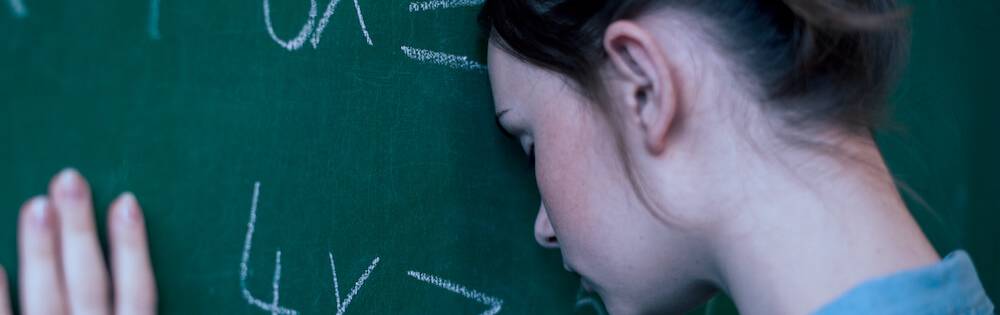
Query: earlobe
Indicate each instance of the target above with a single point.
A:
(656, 120)
(646, 88)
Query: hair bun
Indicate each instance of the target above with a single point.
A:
(871, 15)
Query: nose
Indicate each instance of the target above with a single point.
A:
(545, 235)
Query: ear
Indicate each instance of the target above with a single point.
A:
(647, 88)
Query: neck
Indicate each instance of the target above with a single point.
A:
(811, 229)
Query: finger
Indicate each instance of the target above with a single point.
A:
(38, 250)
(84, 274)
(4, 293)
(135, 289)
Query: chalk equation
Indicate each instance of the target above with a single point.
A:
(312, 29)
(274, 306)
(313, 32)
(437, 57)
(442, 4)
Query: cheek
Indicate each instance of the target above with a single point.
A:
(562, 177)
(561, 168)
(573, 177)
(603, 232)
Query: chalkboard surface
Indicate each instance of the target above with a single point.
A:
(371, 137)
(353, 143)
(942, 140)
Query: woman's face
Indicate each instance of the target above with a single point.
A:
(589, 209)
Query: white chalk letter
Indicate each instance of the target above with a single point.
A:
(330, 8)
(294, 43)
(443, 59)
(442, 4)
(342, 305)
(492, 302)
(272, 307)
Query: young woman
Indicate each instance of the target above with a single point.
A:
(682, 148)
(686, 147)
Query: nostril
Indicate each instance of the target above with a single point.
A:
(549, 242)
(545, 235)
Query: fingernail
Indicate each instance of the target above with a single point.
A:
(39, 208)
(69, 184)
(128, 208)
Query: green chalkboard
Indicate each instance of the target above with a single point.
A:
(366, 137)
(942, 142)
(370, 138)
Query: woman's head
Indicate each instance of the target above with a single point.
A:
(650, 120)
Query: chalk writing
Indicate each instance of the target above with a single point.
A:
(272, 307)
(442, 4)
(494, 303)
(330, 8)
(440, 58)
(275, 308)
(437, 57)
(294, 43)
(342, 305)
(311, 30)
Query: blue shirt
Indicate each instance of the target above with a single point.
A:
(948, 287)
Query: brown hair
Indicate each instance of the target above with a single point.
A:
(831, 61)
(816, 62)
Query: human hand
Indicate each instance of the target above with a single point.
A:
(62, 269)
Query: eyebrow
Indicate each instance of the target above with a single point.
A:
(503, 130)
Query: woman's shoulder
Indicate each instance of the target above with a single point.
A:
(948, 287)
